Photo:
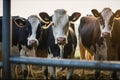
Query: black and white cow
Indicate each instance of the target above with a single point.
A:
(32, 33)
(61, 41)
(18, 39)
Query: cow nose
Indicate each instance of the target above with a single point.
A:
(105, 34)
(32, 43)
(61, 40)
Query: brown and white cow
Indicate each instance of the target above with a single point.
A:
(61, 39)
(114, 45)
(109, 27)
(94, 32)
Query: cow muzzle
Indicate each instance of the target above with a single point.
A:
(33, 43)
(106, 34)
(61, 40)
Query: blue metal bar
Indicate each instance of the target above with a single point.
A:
(6, 38)
(1, 64)
(102, 65)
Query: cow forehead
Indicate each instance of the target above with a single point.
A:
(33, 18)
(60, 11)
(60, 17)
(106, 13)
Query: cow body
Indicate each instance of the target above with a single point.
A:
(114, 46)
(90, 38)
(61, 39)
(107, 23)
(100, 31)
(34, 43)
(17, 39)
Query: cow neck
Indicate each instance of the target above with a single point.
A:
(41, 33)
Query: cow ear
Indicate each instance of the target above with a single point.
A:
(74, 16)
(117, 13)
(95, 12)
(45, 17)
(20, 22)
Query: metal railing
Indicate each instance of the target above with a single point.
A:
(104, 65)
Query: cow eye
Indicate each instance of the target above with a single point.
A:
(101, 21)
(54, 24)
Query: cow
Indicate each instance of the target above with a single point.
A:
(114, 46)
(17, 39)
(95, 32)
(90, 38)
(109, 29)
(62, 40)
(34, 41)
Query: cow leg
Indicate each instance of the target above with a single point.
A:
(114, 75)
(51, 68)
(97, 72)
(45, 71)
(82, 51)
(69, 74)
(30, 53)
(52, 72)
(44, 55)
(24, 67)
(119, 75)
(82, 55)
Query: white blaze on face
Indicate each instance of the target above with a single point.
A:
(60, 20)
(106, 15)
(34, 22)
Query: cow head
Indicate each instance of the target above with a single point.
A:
(31, 26)
(106, 17)
(60, 24)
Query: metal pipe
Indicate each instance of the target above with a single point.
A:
(102, 65)
(6, 38)
(1, 64)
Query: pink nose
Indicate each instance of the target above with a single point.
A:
(61, 40)
(105, 34)
(32, 43)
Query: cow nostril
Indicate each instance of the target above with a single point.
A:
(64, 39)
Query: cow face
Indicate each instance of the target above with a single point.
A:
(106, 17)
(34, 22)
(60, 24)
(32, 25)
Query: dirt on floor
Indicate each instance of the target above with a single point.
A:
(36, 73)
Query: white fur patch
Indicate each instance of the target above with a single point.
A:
(60, 19)
(106, 14)
(34, 21)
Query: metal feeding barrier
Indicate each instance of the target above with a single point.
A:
(104, 65)
(7, 60)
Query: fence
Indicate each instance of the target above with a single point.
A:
(7, 60)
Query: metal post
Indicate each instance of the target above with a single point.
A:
(6, 23)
